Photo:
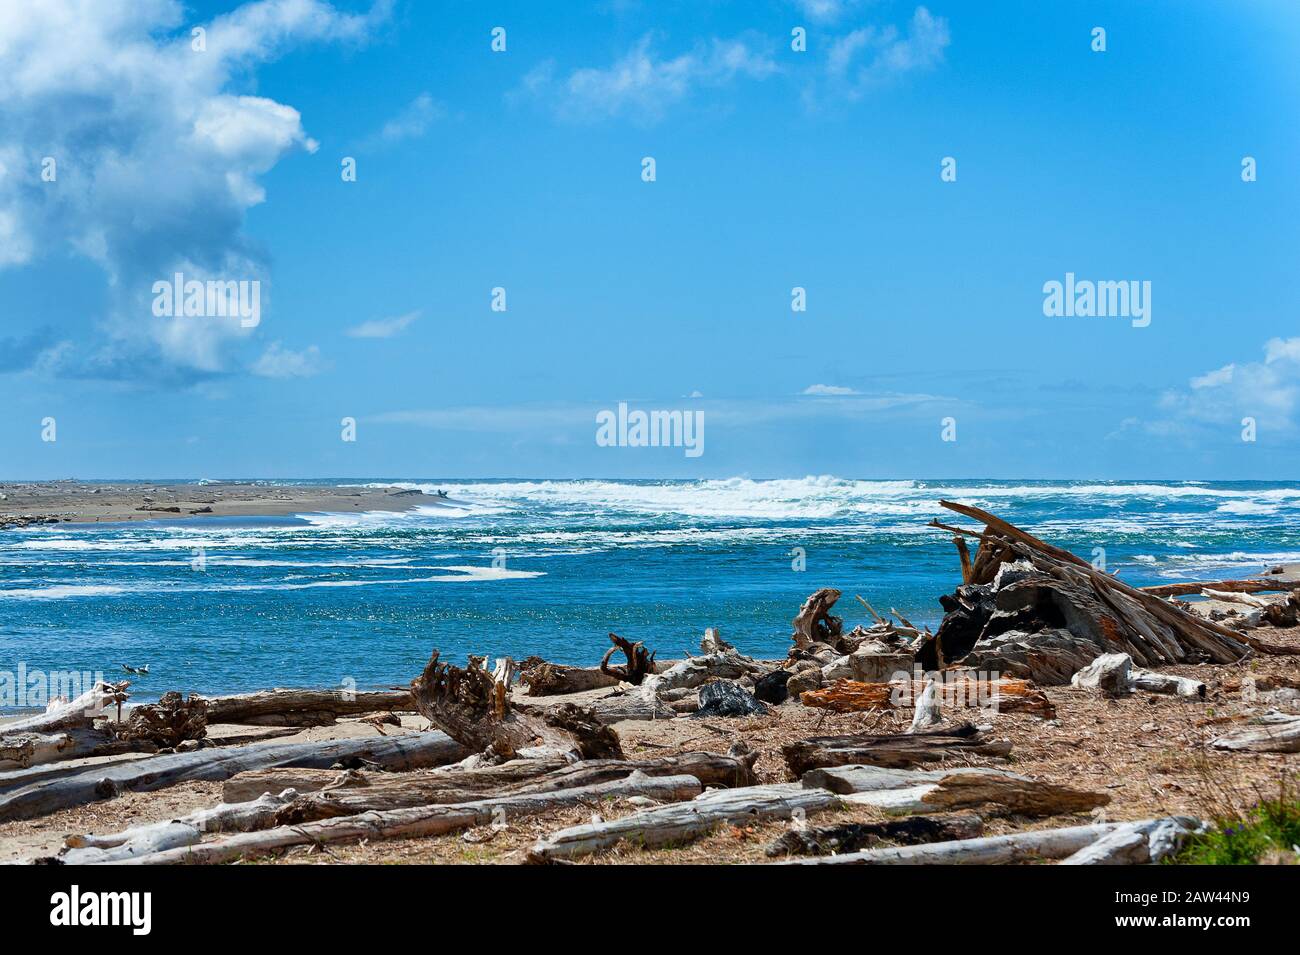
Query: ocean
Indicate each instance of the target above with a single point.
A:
(548, 568)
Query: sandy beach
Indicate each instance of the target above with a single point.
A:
(41, 502)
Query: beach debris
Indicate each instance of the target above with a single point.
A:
(34, 793)
(473, 707)
(555, 679)
(677, 823)
(853, 836)
(773, 686)
(302, 707)
(955, 688)
(727, 698)
(926, 713)
(1111, 673)
(1252, 586)
(1167, 683)
(1055, 610)
(891, 750)
(169, 722)
(68, 729)
(418, 821)
(712, 642)
(640, 662)
(1138, 843)
(988, 850)
(1271, 733)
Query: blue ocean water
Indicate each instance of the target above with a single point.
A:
(549, 567)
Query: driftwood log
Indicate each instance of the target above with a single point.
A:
(896, 750)
(554, 679)
(291, 707)
(20, 750)
(169, 722)
(1273, 733)
(640, 662)
(79, 713)
(49, 793)
(1007, 695)
(420, 821)
(853, 836)
(814, 623)
(1230, 586)
(1138, 843)
(473, 707)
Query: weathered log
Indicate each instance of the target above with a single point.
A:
(927, 713)
(682, 822)
(80, 713)
(1182, 686)
(258, 782)
(159, 836)
(1274, 733)
(814, 623)
(631, 705)
(296, 707)
(1007, 695)
(640, 663)
(853, 836)
(1111, 673)
(398, 792)
(554, 679)
(1233, 586)
(468, 706)
(910, 790)
(20, 750)
(420, 821)
(87, 784)
(1138, 843)
(988, 850)
(896, 750)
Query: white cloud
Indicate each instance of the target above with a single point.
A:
(411, 123)
(644, 84)
(829, 390)
(280, 362)
(869, 57)
(158, 157)
(825, 11)
(1267, 390)
(383, 327)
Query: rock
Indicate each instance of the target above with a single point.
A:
(1111, 673)
(725, 698)
(772, 687)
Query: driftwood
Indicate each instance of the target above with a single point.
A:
(814, 623)
(420, 821)
(1274, 733)
(281, 707)
(20, 750)
(168, 722)
(473, 708)
(682, 822)
(79, 713)
(853, 836)
(1007, 695)
(51, 793)
(893, 751)
(159, 836)
(1182, 686)
(1229, 586)
(640, 662)
(910, 790)
(1138, 843)
(554, 679)
(927, 713)
(989, 850)
(399, 792)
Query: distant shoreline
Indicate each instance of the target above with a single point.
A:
(53, 502)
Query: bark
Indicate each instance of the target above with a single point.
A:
(891, 751)
(678, 823)
(420, 821)
(88, 784)
(853, 836)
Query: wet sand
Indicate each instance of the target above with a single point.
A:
(22, 504)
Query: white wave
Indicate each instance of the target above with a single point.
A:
(60, 591)
(1246, 507)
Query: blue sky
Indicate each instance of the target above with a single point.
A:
(775, 169)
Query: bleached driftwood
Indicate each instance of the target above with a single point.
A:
(927, 712)
(399, 791)
(49, 793)
(555, 679)
(684, 821)
(1235, 586)
(1138, 843)
(1111, 673)
(421, 821)
(79, 713)
(1273, 733)
(20, 750)
(185, 831)
(896, 750)
(1182, 686)
(291, 707)
(988, 850)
